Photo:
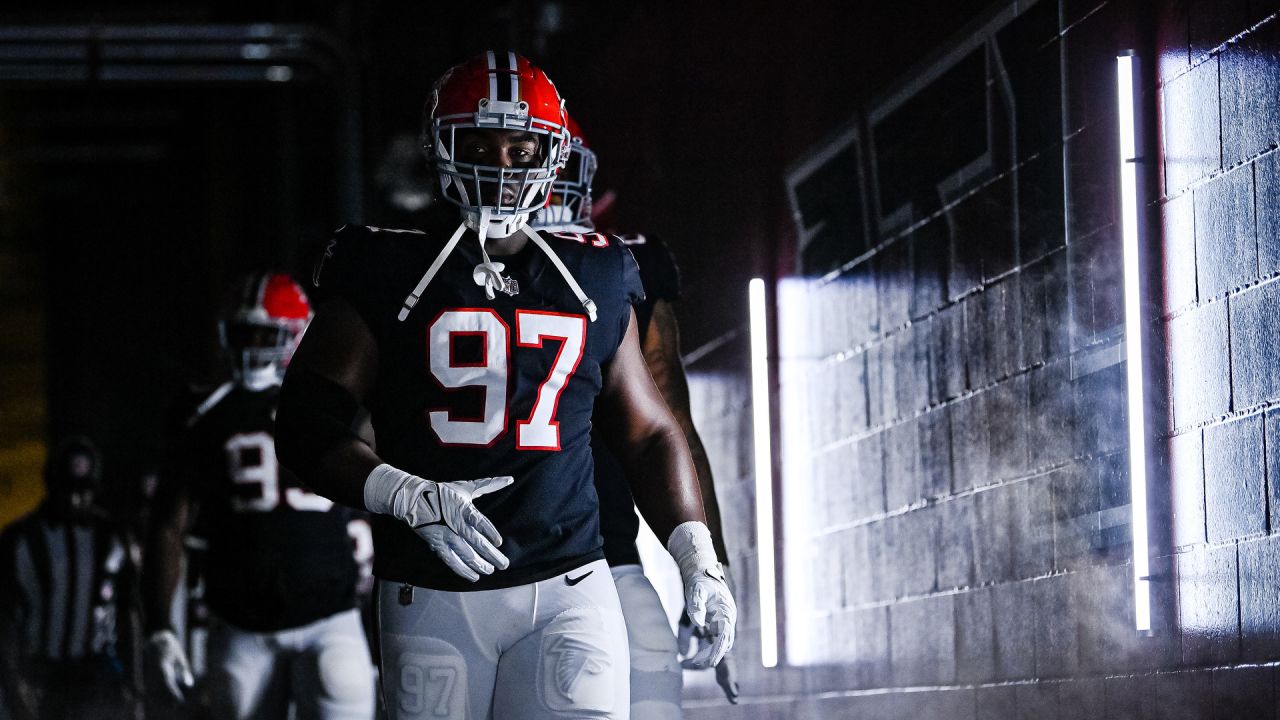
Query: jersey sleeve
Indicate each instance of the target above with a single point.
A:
(658, 268)
(626, 290)
(345, 269)
(178, 464)
(633, 285)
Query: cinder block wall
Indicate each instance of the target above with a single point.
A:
(955, 475)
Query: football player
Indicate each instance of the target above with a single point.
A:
(655, 668)
(278, 564)
(479, 348)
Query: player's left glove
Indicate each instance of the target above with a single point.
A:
(726, 669)
(707, 598)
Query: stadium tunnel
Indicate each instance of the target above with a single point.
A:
(995, 438)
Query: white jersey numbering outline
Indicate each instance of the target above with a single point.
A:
(251, 460)
(540, 431)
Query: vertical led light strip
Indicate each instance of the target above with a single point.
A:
(763, 473)
(1126, 70)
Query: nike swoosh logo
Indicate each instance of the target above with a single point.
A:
(580, 578)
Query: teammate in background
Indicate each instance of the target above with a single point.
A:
(278, 568)
(480, 348)
(68, 617)
(656, 677)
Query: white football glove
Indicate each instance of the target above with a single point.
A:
(726, 669)
(443, 515)
(707, 598)
(167, 658)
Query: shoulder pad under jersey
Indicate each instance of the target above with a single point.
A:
(590, 239)
(348, 241)
(658, 268)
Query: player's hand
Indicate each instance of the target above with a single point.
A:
(727, 677)
(166, 657)
(443, 515)
(707, 598)
(455, 530)
(713, 613)
(726, 670)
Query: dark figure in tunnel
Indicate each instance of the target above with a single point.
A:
(278, 567)
(656, 676)
(68, 612)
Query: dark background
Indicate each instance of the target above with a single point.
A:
(131, 201)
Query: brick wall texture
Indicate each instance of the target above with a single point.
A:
(954, 471)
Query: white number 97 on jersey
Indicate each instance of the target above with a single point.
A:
(491, 368)
(251, 463)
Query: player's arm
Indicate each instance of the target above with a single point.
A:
(647, 438)
(643, 433)
(330, 377)
(661, 348)
(132, 631)
(162, 556)
(17, 692)
(171, 515)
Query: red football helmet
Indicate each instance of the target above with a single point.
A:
(263, 327)
(570, 205)
(495, 91)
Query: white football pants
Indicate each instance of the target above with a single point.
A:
(324, 668)
(656, 676)
(551, 649)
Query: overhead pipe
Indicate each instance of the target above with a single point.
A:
(196, 55)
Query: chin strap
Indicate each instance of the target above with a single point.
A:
(587, 302)
(412, 298)
(488, 274)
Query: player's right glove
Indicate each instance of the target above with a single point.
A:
(707, 598)
(443, 515)
(166, 657)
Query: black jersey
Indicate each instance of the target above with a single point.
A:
(659, 274)
(278, 555)
(469, 387)
(618, 520)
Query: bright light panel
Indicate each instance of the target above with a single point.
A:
(1126, 70)
(763, 473)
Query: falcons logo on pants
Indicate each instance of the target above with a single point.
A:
(572, 660)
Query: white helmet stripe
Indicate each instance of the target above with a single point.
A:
(253, 290)
(260, 298)
(515, 76)
(493, 76)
